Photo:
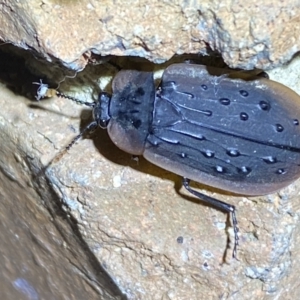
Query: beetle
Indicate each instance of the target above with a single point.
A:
(213, 126)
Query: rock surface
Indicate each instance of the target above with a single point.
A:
(130, 218)
(97, 210)
(42, 253)
(256, 33)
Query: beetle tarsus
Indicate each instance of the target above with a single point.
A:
(218, 204)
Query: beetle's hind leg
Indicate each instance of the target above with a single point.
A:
(219, 204)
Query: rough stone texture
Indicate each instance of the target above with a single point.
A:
(247, 34)
(154, 239)
(97, 208)
(42, 253)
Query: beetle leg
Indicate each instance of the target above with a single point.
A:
(90, 127)
(219, 204)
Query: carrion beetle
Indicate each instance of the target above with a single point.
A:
(214, 126)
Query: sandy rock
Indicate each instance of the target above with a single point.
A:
(260, 33)
(133, 218)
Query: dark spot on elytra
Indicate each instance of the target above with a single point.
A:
(140, 91)
(224, 101)
(233, 152)
(270, 160)
(137, 123)
(264, 105)
(279, 128)
(244, 93)
(244, 170)
(209, 153)
(281, 171)
(208, 113)
(190, 95)
(220, 169)
(244, 116)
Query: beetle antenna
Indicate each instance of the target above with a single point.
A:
(44, 91)
(62, 95)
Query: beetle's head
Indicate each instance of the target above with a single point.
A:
(101, 110)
